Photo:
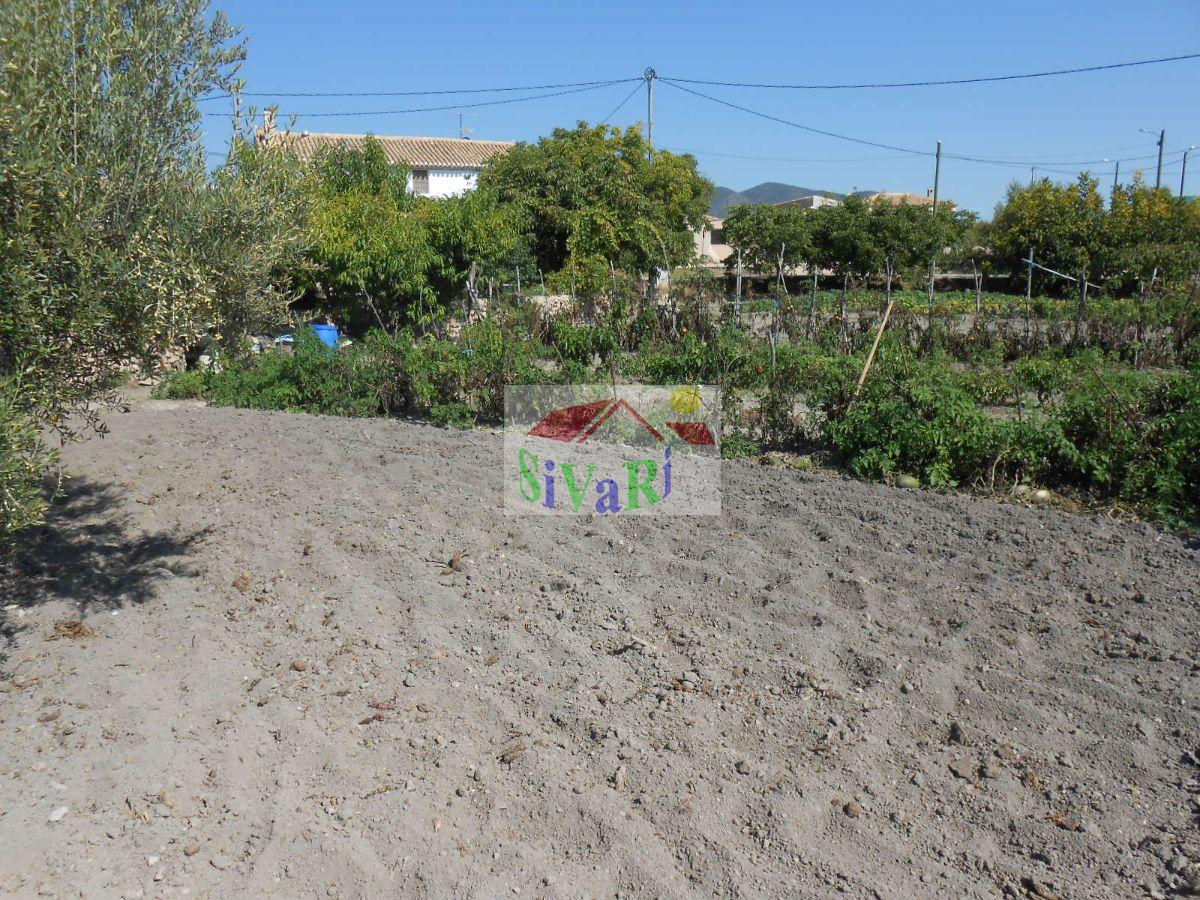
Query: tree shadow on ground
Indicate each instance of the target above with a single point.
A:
(89, 555)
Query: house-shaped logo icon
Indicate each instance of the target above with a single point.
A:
(575, 424)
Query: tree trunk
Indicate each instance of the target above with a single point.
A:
(842, 317)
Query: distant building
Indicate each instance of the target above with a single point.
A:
(710, 242)
(812, 201)
(910, 199)
(438, 166)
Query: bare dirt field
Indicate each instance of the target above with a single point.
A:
(259, 654)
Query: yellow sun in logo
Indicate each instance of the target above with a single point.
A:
(685, 400)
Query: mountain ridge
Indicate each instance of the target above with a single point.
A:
(769, 192)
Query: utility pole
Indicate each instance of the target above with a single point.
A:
(650, 75)
(1117, 175)
(937, 178)
(1183, 172)
(937, 175)
(1162, 137)
(1032, 172)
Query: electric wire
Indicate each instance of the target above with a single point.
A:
(884, 146)
(495, 90)
(628, 97)
(396, 112)
(941, 81)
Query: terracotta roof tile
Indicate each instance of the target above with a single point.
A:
(421, 152)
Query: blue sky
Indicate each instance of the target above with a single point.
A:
(306, 45)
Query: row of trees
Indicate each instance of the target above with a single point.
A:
(572, 208)
(1141, 236)
(856, 240)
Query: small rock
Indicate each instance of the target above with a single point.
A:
(152, 860)
(299, 665)
(410, 680)
(191, 850)
(742, 767)
(956, 734)
(963, 768)
(853, 809)
(221, 861)
(620, 778)
(906, 688)
(57, 815)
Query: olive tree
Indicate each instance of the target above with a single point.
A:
(115, 239)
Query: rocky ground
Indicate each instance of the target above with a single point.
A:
(259, 654)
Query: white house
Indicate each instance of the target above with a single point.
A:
(710, 243)
(812, 201)
(438, 166)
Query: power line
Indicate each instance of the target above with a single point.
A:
(782, 121)
(636, 88)
(396, 112)
(788, 159)
(495, 90)
(869, 143)
(938, 82)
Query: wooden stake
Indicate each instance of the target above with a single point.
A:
(875, 346)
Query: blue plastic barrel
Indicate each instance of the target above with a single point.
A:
(327, 333)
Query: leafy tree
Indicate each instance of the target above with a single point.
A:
(475, 233)
(771, 238)
(114, 241)
(846, 244)
(1064, 225)
(1152, 235)
(900, 236)
(596, 195)
(369, 253)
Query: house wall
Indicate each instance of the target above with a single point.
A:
(710, 242)
(448, 182)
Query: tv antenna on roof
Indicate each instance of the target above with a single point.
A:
(463, 132)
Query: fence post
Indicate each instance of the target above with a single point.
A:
(1028, 295)
(737, 303)
(1081, 312)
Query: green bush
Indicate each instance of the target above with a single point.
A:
(1112, 433)
(735, 446)
(452, 415)
(312, 378)
(1135, 437)
(25, 463)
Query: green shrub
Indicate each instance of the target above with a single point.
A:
(312, 378)
(1133, 436)
(735, 446)
(190, 385)
(452, 415)
(24, 464)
